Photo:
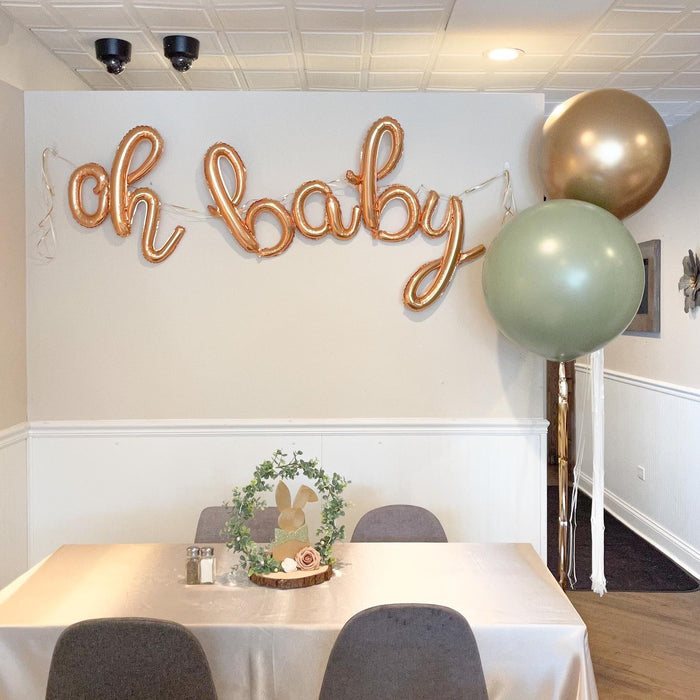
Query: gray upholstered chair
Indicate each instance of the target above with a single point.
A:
(399, 523)
(405, 651)
(213, 519)
(129, 657)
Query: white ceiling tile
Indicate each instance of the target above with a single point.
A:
(662, 63)
(327, 43)
(677, 43)
(667, 93)
(186, 20)
(212, 63)
(31, 15)
(79, 59)
(595, 64)
(578, 81)
(147, 61)
(399, 63)
(254, 18)
(138, 40)
(456, 81)
(83, 16)
(213, 80)
(57, 39)
(324, 62)
(667, 108)
(636, 20)
(100, 79)
(453, 62)
(272, 62)
(621, 44)
(266, 80)
(209, 42)
(691, 80)
(532, 63)
(428, 19)
(151, 79)
(689, 23)
(543, 44)
(395, 81)
(330, 19)
(630, 80)
(333, 81)
(260, 42)
(402, 44)
(511, 81)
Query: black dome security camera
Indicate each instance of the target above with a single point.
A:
(181, 50)
(114, 53)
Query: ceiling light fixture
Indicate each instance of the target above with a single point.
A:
(114, 53)
(504, 54)
(181, 50)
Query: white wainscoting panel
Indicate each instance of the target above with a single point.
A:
(13, 502)
(146, 481)
(652, 425)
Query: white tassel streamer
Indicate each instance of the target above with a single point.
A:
(598, 457)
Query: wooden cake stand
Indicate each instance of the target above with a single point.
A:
(295, 579)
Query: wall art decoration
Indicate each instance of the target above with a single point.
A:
(689, 283)
(647, 321)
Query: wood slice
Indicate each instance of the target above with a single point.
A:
(295, 579)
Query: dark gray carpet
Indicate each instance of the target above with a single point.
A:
(631, 563)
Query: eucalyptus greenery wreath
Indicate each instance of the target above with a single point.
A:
(247, 500)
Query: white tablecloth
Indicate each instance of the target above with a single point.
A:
(273, 644)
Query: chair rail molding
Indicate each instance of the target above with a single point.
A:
(14, 434)
(225, 427)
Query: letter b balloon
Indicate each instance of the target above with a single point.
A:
(563, 278)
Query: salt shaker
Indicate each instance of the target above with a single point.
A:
(207, 565)
(192, 565)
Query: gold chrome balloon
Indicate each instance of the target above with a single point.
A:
(372, 203)
(444, 268)
(116, 199)
(226, 206)
(607, 147)
(101, 189)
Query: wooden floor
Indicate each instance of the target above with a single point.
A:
(643, 645)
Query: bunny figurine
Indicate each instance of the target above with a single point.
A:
(292, 533)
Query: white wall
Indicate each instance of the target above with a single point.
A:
(652, 384)
(13, 367)
(13, 372)
(27, 64)
(320, 331)
(315, 347)
(672, 217)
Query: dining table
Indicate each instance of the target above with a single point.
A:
(268, 643)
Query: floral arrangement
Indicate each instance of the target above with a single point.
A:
(689, 283)
(247, 500)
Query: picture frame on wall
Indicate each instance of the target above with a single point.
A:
(648, 318)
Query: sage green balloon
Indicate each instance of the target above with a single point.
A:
(563, 278)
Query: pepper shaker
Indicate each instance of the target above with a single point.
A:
(192, 565)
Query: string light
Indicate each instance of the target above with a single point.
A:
(45, 233)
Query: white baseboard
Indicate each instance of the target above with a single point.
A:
(684, 554)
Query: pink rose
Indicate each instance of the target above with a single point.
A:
(308, 559)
